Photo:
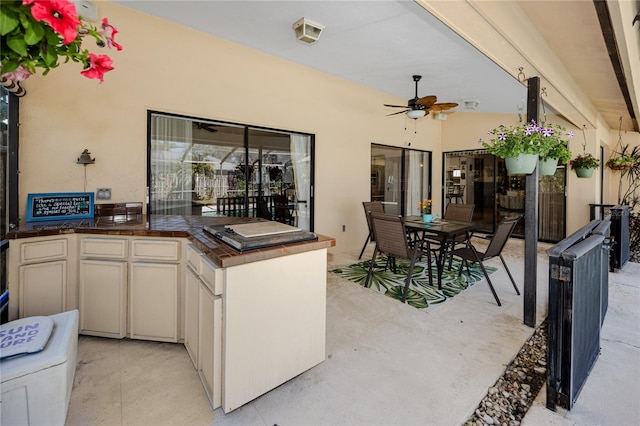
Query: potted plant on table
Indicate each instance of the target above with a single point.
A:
(584, 165)
(425, 209)
(521, 146)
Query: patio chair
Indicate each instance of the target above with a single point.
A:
(370, 207)
(494, 249)
(391, 239)
(458, 213)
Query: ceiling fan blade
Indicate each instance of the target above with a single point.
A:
(427, 101)
(443, 106)
(399, 112)
(395, 106)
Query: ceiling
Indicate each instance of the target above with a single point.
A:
(381, 44)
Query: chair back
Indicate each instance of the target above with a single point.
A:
(500, 237)
(372, 207)
(459, 190)
(390, 235)
(459, 212)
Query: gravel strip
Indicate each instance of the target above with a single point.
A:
(508, 400)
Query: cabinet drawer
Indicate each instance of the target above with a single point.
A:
(193, 258)
(211, 275)
(43, 250)
(155, 250)
(103, 248)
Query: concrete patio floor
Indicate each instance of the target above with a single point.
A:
(387, 363)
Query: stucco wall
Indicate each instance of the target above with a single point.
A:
(169, 68)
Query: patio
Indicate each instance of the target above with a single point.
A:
(387, 363)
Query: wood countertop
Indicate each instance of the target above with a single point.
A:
(170, 226)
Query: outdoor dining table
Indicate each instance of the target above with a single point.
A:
(442, 230)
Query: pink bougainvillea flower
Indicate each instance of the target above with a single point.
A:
(27, 2)
(109, 33)
(61, 16)
(98, 65)
(19, 74)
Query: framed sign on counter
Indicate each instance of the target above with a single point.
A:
(59, 205)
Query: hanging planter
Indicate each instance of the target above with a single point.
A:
(522, 145)
(547, 167)
(619, 161)
(523, 164)
(583, 172)
(620, 164)
(584, 165)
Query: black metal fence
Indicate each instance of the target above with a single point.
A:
(620, 243)
(578, 298)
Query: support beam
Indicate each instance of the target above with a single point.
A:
(531, 216)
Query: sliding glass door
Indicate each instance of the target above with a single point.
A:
(400, 178)
(477, 177)
(203, 167)
(8, 187)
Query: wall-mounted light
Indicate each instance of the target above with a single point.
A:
(307, 31)
(85, 158)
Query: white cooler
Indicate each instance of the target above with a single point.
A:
(36, 387)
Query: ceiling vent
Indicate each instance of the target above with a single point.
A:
(470, 104)
(307, 31)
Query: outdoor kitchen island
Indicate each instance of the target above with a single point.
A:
(250, 321)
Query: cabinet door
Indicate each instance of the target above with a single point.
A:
(103, 293)
(210, 345)
(153, 301)
(43, 288)
(191, 308)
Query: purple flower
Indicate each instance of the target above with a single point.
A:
(502, 137)
(570, 134)
(547, 132)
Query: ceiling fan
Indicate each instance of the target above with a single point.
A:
(419, 107)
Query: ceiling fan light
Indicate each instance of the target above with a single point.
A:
(416, 113)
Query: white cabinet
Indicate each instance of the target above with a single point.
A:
(130, 278)
(203, 322)
(210, 345)
(102, 283)
(43, 277)
(43, 288)
(153, 300)
(191, 310)
(103, 296)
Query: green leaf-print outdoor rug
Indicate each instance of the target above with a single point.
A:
(421, 295)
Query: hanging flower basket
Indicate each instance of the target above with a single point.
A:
(521, 145)
(620, 163)
(584, 165)
(547, 167)
(583, 172)
(523, 164)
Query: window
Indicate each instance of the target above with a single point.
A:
(209, 168)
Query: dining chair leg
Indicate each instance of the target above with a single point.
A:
(407, 283)
(430, 266)
(510, 276)
(364, 246)
(367, 283)
(486, 275)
